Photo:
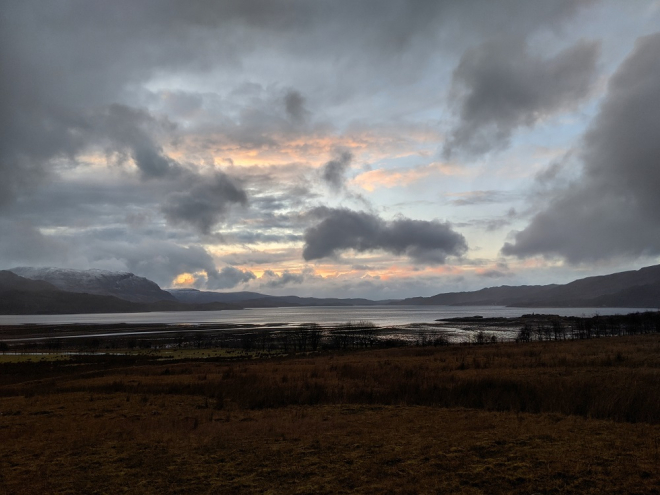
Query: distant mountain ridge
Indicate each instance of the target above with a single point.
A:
(630, 289)
(123, 285)
(19, 295)
(200, 296)
(491, 296)
(55, 290)
(257, 300)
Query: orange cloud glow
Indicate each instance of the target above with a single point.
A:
(184, 280)
(312, 149)
(374, 179)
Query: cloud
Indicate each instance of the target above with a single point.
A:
(228, 278)
(492, 274)
(272, 280)
(494, 223)
(470, 198)
(157, 260)
(333, 171)
(256, 257)
(204, 202)
(250, 237)
(612, 210)
(389, 178)
(294, 104)
(115, 120)
(342, 229)
(499, 87)
(22, 243)
(65, 60)
(162, 261)
(360, 267)
(134, 129)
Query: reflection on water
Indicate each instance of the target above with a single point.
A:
(379, 315)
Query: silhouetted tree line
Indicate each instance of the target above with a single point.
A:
(577, 328)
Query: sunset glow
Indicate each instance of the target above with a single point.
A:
(332, 149)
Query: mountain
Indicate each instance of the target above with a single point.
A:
(9, 281)
(615, 290)
(640, 296)
(292, 301)
(52, 291)
(256, 300)
(491, 296)
(630, 289)
(19, 295)
(99, 282)
(199, 296)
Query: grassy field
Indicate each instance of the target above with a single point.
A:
(157, 354)
(551, 417)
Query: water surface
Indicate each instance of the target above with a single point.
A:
(379, 315)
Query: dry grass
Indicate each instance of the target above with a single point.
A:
(424, 420)
(77, 443)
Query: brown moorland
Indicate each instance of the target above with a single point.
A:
(549, 417)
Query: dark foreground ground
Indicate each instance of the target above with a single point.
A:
(569, 416)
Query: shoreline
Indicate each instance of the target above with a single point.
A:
(474, 329)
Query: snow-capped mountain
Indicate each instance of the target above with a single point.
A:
(123, 285)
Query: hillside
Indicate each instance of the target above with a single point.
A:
(199, 296)
(491, 296)
(9, 281)
(630, 289)
(123, 285)
(19, 295)
(256, 300)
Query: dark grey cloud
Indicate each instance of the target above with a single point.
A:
(493, 274)
(117, 203)
(294, 104)
(23, 244)
(342, 229)
(499, 87)
(63, 59)
(204, 202)
(126, 129)
(275, 281)
(83, 203)
(228, 277)
(361, 267)
(333, 171)
(249, 237)
(158, 260)
(612, 210)
(71, 79)
(256, 257)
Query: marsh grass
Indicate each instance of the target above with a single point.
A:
(553, 417)
(614, 378)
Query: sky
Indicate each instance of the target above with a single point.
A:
(331, 148)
